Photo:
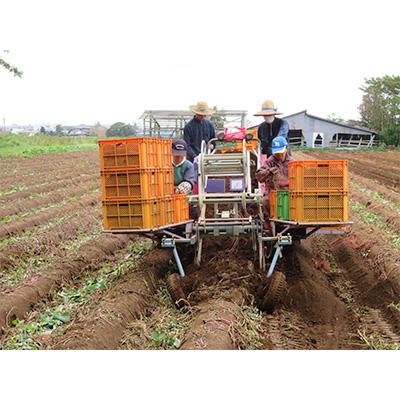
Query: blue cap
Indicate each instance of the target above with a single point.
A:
(279, 144)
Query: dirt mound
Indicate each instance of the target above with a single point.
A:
(103, 325)
(225, 269)
(315, 302)
(215, 326)
(18, 303)
(383, 293)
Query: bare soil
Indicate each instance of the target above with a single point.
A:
(342, 291)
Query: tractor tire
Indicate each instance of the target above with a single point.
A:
(175, 289)
(275, 292)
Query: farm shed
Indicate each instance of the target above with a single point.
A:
(171, 122)
(311, 131)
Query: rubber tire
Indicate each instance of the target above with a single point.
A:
(275, 292)
(174, 285)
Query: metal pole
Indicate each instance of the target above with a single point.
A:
(274, 260)
(178, 262)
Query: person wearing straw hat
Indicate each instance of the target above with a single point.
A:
(199, 128)
(271, 127)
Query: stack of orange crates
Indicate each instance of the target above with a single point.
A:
(137, 183)
(181, 208)
(318, 190)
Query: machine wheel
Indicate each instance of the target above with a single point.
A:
(275, 292)
(175, 289)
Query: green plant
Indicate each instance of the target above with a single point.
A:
(369, 217)
(21, 145)
(376, 341)
(248, 329)
(165, 328)
(52, 319)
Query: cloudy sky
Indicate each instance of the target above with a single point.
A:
(87, 61)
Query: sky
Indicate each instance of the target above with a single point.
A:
(107, 61)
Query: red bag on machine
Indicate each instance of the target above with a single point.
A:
(234, 133)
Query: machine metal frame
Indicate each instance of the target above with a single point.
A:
(231, 222)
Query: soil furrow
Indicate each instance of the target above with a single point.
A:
(43, 188)
(21, 226)
(17, 304)
(50, 241)
(103, 326)
(52, 197)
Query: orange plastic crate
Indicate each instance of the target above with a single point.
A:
(166, 181)
(140, 214)
(167, 210)
(314, 175)
(273, 206)
(144, 183)
(318, 206)
(251, 144)
(164, 153)
(181, 208)
(129, 153)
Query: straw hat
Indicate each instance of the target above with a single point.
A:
(201, 108)
(267, 108)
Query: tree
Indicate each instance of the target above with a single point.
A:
(121, 129)
(10, 67)
(217, 119)
(59, 130)
(380, 107)
(335, 118)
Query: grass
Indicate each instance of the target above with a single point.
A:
(34, 211)
(344, 289)
(376, 341)
(378, 196)
(37, 230)
(339, 149)
(165, 328)
(250, 328)
(24, 268)
(55, 317)
(13, 145)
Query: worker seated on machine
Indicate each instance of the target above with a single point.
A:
(183, 168)
(273, 174)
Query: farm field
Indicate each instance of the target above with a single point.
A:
(12, 144)
(66, 285)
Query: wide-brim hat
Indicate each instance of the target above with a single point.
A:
(267, 108)
(201, 108)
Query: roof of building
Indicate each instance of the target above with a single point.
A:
(174, 114)
(330, 121)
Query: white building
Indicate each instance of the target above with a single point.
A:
(311, 131)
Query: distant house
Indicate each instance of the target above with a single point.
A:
(311, 131)
(80, 130)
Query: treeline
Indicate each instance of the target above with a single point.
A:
(380, 108)
(121, 129)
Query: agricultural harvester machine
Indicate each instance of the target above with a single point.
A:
(229, 203)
